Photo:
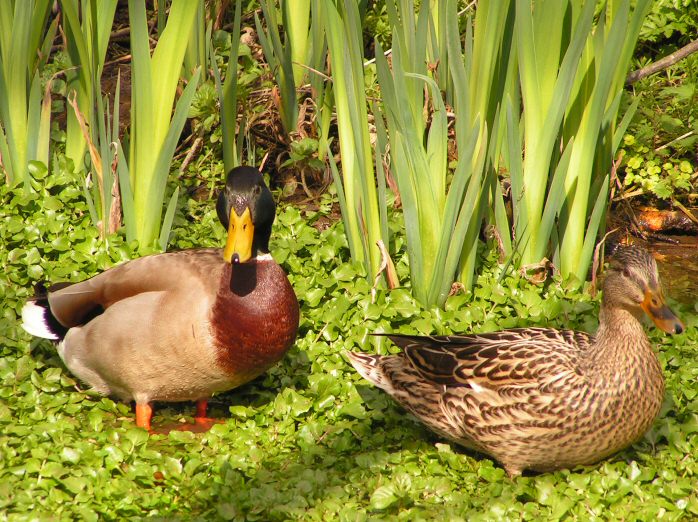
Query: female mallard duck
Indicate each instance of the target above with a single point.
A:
(182, 325)
(538, 398)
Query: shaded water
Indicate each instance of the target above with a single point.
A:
(678, 268)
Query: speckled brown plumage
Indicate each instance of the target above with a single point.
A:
(538, 398)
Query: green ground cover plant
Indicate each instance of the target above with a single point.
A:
(310, 439)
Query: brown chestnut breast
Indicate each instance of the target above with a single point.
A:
(254, 318)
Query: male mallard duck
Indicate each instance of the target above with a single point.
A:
(538, 398)
(182, 325)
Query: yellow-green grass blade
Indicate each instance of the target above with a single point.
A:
(459, 67)
(78, 80)
(438, 45)
(196, 53)
(24, 36)
(347, 213)
(16, 73)
(479, 76)
(409, 67)
(546, 89)
(321, 92)
(436, 222)
(227, 95)
(459, 216)
(592, 230)
(5, 153)
(7, 146)
(472, 213)
(296, 18)
(594, 119)
(142, 113)
(127, 199)
(403, 167)
(154, 84)
(491, 44)
(556, 193)
(6, 17)
(168, 219)
(164, 159)
(37, 29)
(279, 58)
(381, 151)
(409, 44)
(362, 217)
(87, 39)
(77, 46)
(43, 134)
(516, 176)
(167, 63)
(34, 123)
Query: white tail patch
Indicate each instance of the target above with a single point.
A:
(34, 321)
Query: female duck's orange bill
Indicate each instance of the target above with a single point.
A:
(655, 306)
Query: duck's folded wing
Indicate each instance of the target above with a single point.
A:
(77, 303)
(518, 357)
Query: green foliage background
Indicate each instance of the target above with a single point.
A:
(309, 440)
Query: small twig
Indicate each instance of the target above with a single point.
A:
(180, 148)
(467, 7)
(264, 160)
(635, 229)
(190, 155)
(683, 209)
(628, 195)
(124, 58)
(220, 14)
(319, 73)
(385, 266)
(595, 263)
(304, 184)
(689, 133)
(662, 64)
(372, 60)
(614, 175)
(319, 334)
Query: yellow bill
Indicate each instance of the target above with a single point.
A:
(238, 247)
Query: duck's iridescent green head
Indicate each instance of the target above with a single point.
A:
(246, 208)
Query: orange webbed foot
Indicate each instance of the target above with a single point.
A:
(144, 412)
(201, 424)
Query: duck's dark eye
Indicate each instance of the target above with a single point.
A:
(626, 272)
